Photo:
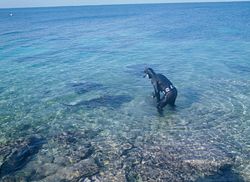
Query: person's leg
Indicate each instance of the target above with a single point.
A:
(162, 103)
(172, 97)
(169, 98)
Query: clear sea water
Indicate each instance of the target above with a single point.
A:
(73, 76)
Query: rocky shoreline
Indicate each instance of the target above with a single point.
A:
(90, 156)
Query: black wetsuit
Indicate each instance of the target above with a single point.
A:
(164, 85)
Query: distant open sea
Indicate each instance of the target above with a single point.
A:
(74, 105)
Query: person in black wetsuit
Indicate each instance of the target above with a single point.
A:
(164, 85)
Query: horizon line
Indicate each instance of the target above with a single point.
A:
(118, 4)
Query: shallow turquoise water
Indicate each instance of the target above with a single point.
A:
(46, 54)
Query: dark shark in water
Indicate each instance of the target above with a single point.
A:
(110, 101)
(83, 87)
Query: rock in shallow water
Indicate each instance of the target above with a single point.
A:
(20, 157)
(81, 170)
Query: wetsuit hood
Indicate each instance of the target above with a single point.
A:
(150, 72)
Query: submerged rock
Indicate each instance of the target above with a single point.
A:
(75, 146)
(81, 170)
(83, 87)
(44, 170)
(20, 157)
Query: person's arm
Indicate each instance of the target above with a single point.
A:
(156, 91)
